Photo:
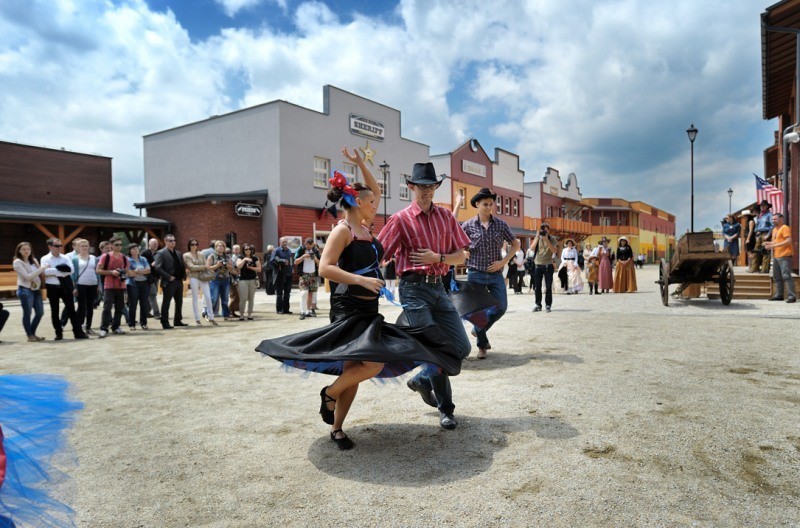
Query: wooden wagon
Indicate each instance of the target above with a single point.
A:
(696, 261)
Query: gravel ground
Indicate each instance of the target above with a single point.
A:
(612, 410)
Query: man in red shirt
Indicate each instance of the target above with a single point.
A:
(426, 240)
(112, 267)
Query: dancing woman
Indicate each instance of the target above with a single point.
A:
(358, 344)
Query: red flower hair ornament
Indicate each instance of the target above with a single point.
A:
(339, 181)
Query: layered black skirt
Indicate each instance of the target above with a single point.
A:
(359, 333)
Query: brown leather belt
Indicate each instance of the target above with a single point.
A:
(410, 276)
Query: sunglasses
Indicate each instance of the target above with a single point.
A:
(117, 245)
(56, 245)
(192, 243)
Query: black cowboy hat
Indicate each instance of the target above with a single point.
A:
(483, 193)
(424, 174)
(764, 202)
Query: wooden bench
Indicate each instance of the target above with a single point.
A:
(8, 283)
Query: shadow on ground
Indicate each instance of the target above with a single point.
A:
(416, 454)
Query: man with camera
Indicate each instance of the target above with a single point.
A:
(307, 261)
(544, 248)
(113, 267)
(58, 283)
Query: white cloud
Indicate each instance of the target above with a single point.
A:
(604, 89)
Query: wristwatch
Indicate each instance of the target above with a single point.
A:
(441, 257)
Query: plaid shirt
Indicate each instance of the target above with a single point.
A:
(486, 244)
(411, 229)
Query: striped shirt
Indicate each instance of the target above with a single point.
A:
(486, 244)
(412, 229)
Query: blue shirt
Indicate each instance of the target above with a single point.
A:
(486, 244)
(764, 222)
(137, 264)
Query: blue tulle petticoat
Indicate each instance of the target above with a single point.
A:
(35, 411)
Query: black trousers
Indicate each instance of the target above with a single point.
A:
(172, 291)
(56, 295)
(543, 272)
(86, 297)
(283, 287)
(138, 296)
(112, 299)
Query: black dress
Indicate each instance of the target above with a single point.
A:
(359, 333)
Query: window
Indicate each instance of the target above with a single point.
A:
(516, 207)
(508, 206)
(463, 193)
(322, 169)
(351, 171)
(383, 182)
(404, 193)
(549, 212)
(499, 205)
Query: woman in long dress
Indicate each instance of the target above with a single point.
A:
(604, 279)
(625, 277)
(358, 344)
(569, 260)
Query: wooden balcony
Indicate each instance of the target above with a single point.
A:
(615, 230)
(560, 225)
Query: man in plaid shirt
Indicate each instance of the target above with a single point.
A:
(426, 240)
(485, 263)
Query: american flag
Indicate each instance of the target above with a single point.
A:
(770, 193)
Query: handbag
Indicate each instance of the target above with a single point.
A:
(206, 275)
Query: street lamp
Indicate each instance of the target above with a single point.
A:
(385, 171)
(692, 133)
(730, 197)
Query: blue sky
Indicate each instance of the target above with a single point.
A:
(601, 88)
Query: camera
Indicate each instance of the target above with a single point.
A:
(122, 273)
(542, 232)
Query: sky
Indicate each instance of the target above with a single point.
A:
(604, 89)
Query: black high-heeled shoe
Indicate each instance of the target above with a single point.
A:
(327, 414)
(342, 443)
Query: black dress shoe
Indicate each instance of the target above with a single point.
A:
(343, 443)
(776, 298)
(288, 312)
(166, 326)
(327, 414)
(81, 336)
(180, 323)
(59, 337)
(427, 395)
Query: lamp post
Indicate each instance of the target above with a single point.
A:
(385, 171)
(692, 133)
(730, 197)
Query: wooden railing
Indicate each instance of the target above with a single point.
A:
(615, 230)
(559, 224)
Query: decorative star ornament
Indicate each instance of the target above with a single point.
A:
(367, 154)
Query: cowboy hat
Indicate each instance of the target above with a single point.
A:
(620, 239)
(569, 240)
(764, 202)
(483, 193)
(424, 174)
(604, 239)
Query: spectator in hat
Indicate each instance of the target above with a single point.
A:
(625, 275)
(762, 230)
(605, 281)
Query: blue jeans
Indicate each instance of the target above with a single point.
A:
(497, 287)
(427, 304)
(30, 301)
(219, 290)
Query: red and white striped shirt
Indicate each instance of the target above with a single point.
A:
(412, 229)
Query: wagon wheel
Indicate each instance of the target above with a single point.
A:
(726, 281)
(663, 280)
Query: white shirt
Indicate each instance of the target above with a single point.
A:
(52, 273)
(87, 277)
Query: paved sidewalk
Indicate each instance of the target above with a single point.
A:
(612, 410)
